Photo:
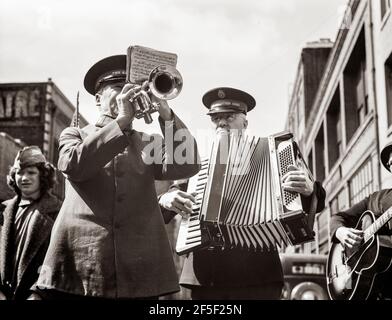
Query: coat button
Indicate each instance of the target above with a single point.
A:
(116, 226)
(120, 198)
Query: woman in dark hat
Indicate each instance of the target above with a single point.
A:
(25, 224)
(343, 227)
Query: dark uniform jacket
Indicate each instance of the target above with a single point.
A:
(237, 267)
(109, 239)
(34, 246)
(377, 202)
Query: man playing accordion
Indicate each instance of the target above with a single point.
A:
(235, 273)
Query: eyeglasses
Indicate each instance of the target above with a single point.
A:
(229, 117)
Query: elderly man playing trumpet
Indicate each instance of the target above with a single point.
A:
(109, 240)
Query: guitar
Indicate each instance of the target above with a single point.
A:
(351, 273)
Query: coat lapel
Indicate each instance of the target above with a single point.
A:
(6, 243)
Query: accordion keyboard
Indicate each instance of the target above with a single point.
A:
(190, 235)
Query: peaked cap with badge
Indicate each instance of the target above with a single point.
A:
(111, 68)
(225, 99)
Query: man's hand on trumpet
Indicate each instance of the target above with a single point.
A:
(164, 110)
(163, 107)
(126, 108)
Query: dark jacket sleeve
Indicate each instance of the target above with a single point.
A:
(177, 185)
(348, 218)
(319, 194)
(2, 207)
(81, 158)
(179, 152)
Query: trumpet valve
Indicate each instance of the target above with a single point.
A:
(155, 106)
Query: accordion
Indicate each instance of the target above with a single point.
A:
(239, 199)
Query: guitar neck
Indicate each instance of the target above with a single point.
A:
(377, 225)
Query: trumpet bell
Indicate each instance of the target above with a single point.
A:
(165, 82)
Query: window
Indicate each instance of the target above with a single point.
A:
(361, 94)
(355, 88)
(334, 130)
(385, 7)
(294, 123)
(343, 202)
(339, 145)
(301, 112)
(340, 202)
(319, 156)
(322, 224)
(361, 183)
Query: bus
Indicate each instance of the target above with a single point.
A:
(304, 276)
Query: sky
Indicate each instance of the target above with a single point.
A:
(252, 45)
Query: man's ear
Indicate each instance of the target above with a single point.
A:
(98, 99)
(245, 123)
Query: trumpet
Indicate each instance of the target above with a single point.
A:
(165, 83)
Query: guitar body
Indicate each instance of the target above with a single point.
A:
(351, 273)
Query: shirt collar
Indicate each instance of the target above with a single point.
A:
(103, 121)
(25, 202)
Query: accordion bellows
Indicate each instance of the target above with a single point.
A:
(239, 199)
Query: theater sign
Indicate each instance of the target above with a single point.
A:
(22, 103)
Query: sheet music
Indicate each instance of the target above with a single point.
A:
(142, 60)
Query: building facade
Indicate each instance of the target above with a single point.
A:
(9, 148)
(349, 118)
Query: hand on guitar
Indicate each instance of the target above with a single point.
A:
(349, 237)
(296, 180)
(178, 201)
(34, 296)
(2, 296)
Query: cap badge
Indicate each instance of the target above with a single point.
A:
(221, 94)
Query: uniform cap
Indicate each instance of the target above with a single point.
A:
(226, 99)
(385, 153)
(112, 68)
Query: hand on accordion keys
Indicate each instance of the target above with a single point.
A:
(178, 201)
(297, 180)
